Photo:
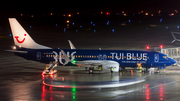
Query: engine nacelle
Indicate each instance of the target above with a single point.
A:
(107, 67)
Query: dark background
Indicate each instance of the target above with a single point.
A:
(40, 6)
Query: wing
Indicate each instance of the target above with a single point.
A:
(92, 63)
(105, 64)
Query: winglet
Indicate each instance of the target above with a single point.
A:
(71, 45)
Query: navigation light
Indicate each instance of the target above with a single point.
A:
(74, 61)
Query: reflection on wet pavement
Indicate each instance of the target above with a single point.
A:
(28, 86)
(102, 80)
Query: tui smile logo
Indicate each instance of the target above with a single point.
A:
(19, 40)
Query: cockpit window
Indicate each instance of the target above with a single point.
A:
(165, 57)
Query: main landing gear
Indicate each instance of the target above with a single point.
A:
(91, 69)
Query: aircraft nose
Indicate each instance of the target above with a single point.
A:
(172, 61)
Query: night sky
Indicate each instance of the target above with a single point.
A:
(11, 6)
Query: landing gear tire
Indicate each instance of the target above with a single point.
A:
(90, 71)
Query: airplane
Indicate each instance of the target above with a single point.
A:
(27, 48)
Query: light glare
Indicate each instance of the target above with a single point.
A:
(67, 21)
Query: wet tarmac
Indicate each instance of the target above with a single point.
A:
(98, 80)
(21, 80)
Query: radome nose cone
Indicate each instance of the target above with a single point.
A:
(172, 61)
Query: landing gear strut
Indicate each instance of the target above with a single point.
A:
(146, 69)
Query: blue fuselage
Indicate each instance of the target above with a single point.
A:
(125, 58)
